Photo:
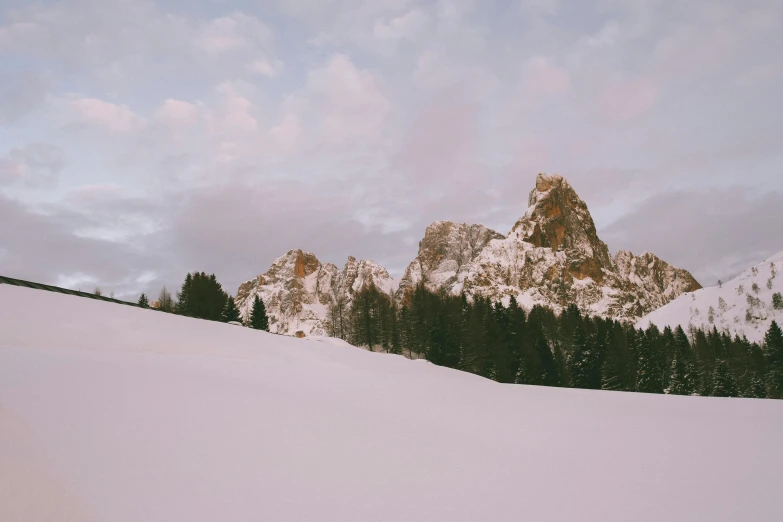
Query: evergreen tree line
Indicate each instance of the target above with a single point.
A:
(512, 345)
(201, 296)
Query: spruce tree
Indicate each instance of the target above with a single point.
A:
(648, 378)
(773, 342)
(184, 296)
(682, 379)
(773, 347)
(143, 301)
(258, 317)
(757, 389)
(230, 312)
(723, 384)
(202, 296)
(615, 367)
(584, 365)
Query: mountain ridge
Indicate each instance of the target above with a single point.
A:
(551, 256)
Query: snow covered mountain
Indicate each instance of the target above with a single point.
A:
(298, 289)
(116, 413)
(743, 306)
(445, 254)
(552, 256)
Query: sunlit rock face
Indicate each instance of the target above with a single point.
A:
(298, 290)
(444, 255)
(552, 256)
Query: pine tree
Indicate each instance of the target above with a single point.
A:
(773, 347)
(681, 381)
(230, 312)
(143, 301)
(723, 384)
(777, 301)
(201, 296)
(184, 296)
(757, 389)
(686, 375)
(584, 365)
(648, 378)
(258, 317)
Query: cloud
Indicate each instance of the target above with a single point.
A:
(222, 137)
(42, 247)
(232, 33)
(106, 115)
(33, 164)
(543, 77)
(177, 112)
(629, 99)
(440, 76)
(22, 93)
(350, 100)
(409, 26)
(314, 217)
(714, 232)
(266, 67)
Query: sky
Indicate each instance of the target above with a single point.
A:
(141, 139)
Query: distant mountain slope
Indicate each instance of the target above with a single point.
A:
(298, 290)
(552, 256)
(737, 307)
(116, 413)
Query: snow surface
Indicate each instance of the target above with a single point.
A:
(693, 308)
(115, 413)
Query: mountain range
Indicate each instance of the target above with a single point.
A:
(552, 256)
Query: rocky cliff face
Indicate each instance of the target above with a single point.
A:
(553, 257)
(444, 255)
(298, 289)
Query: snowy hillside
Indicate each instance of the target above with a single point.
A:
(741, 306)
(115, 413)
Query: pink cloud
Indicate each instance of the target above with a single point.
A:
(440, 145)
(177, 112)
(628, 99)
(544, 77)
(353, 100)
(118, 118)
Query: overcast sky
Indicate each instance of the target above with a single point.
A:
(141, 139)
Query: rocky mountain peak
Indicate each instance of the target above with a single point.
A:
(558, 219)
(298, 290)
(552, 256)
(444, 252)
(544, 183)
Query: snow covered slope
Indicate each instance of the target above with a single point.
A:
(737, 306)
(120, 414)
